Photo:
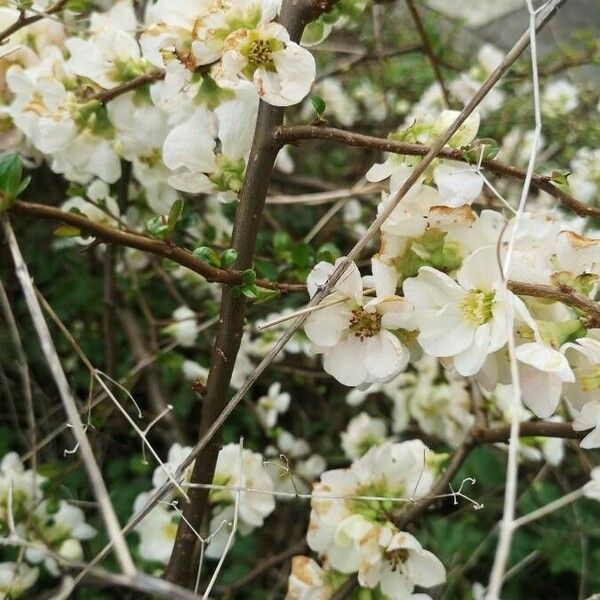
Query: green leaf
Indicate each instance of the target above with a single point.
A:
(175, 214)
(281, 241)
(208, 255)
(158, 226)
(328, 253)
(482, 149)
(67, 231)
(11, 170)
(250, 291)
(560, 176)
(303, 256)
(248, 277)
(228, 257)
(264, 294)
(318, 104)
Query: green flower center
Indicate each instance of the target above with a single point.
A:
(476, 307)
(377, 511)
(364, 324)
(229, 174)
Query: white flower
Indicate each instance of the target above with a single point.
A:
(193, 371)
(157, 531)
(177, 454)
(464, 319)
(592, 488)
(185, 327)
(16, 579)
(356, 336)
(584, 180)
(25, 485)
(589, 418)
(363, 431)
(269, 407)
(402, 565)
(282, 71)
(457, 183)
(559, 98)
(109, 58)
(42, 107)
(490, 58)
(584, 357)
(353, 534)
(254, 506)
(307, 581)
(65, 527)
(543, 371)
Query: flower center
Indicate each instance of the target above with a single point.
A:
(590, 379)
(376, 511)
(476, 307)
(260, 51)
(397, 558)
(364, 324)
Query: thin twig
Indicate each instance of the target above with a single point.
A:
(87, 455)
(429, 51)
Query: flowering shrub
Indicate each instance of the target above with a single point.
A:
(319, 304)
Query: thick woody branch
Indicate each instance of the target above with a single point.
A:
(299, 133)
(295, 15)
(169, 250)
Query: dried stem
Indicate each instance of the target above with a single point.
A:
(87, 455)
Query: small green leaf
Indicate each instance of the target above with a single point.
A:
(67, 231)
(281, 241)
(328, 253)
(208, 255)
(248, 277)
(318, 104)
(23, 185)
(158, 227)
(303, 256)
(482, 149)
(560, 177)
(228, 257)
(264, 294)
(11, 171)
(250, 291)
(175, 213)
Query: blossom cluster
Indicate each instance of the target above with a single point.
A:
(236, 468)
(202, 68)
(48, 529)
(353, 531)
(438, 288)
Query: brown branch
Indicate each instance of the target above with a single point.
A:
(24, 21)
(169, 250)
(299, 133)
(106, 96)
(429, 51)
(549, 429)
(181, 570)
(565, 295)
